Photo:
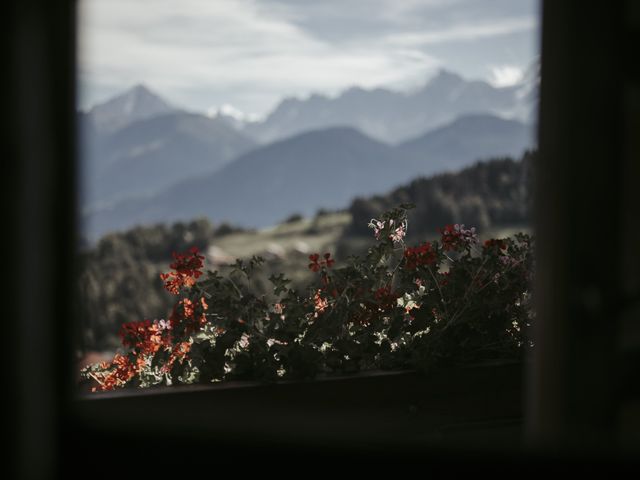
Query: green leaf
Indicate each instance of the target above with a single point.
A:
(280, 283)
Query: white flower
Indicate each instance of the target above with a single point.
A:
(377, 226)
(244, 341)
(164, 325)
(399, 233)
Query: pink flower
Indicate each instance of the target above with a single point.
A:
(455, 237)
(377, 226)
(398, 234)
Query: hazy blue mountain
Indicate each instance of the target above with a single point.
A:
(318, 169)
(321, 168)
(137, 144)
(149, 155)
(135, 104)
(468, 138)
(392, 116)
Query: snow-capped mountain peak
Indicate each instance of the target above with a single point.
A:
(134, 104)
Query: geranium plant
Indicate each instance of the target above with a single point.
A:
(450, 301)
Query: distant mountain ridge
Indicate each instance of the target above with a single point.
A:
(138, 150)
(136, 144)
(467, 138)
(151, 154)
(318, 169)
(135, 104)
(297, 174)
(392, 116)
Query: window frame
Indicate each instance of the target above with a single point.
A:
(568, 408)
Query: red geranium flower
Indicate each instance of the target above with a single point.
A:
(421, 255)
(316, 264)
(187, 269)
(328, 260)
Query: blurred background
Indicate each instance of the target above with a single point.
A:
(280, 128)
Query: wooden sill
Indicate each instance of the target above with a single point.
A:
(479, 404)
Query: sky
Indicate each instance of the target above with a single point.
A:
(248, 55)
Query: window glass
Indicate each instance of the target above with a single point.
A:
(284, 130)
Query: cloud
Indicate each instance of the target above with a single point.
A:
(173, 46)
(506, 75)
(251, 53)
(464, 32)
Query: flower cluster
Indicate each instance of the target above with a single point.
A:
(411, 307)
(385, 298)
(189, 315)
(495, 243)
(456, 237)
(145, 336)
(423, 255)
(411, 301)
(317, 264)
(178, 353)
(147, 340)
(111, 375)
(187, 269)
(390, 228)
(320, 304)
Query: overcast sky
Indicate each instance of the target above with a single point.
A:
(202, 54)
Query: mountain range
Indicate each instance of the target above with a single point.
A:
(392, 116)
(147, 161)
(153, 148)
(322, 168)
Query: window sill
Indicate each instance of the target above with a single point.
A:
(462, 405)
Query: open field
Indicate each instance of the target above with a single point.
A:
(304, 236)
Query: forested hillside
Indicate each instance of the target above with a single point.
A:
(488, 194)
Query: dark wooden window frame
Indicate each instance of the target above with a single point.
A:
(575, 383)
